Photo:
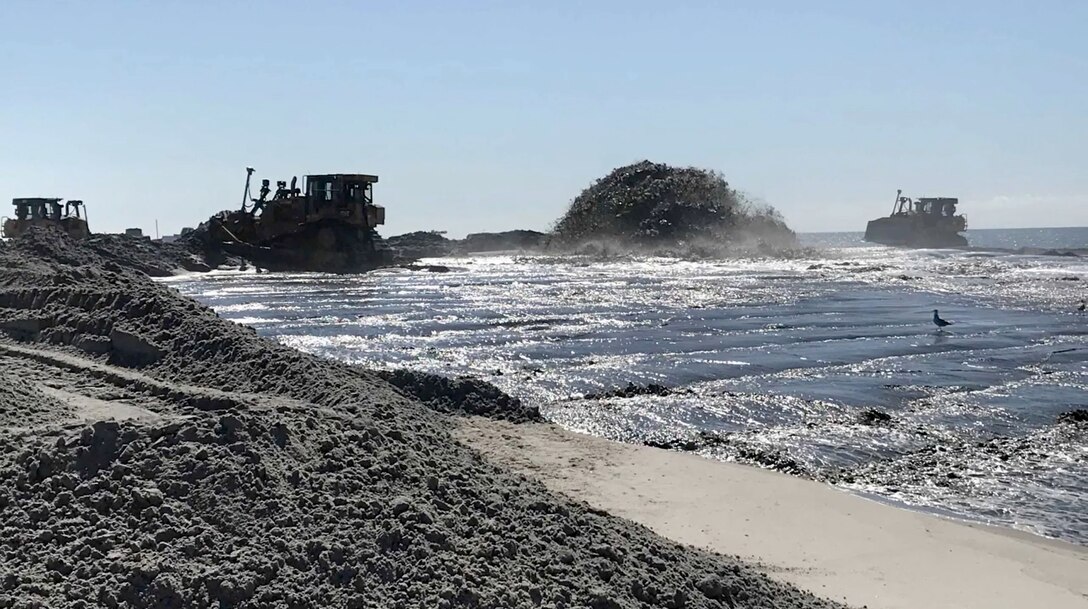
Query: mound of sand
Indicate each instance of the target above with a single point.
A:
(273, 478)
(153, 258)
(653, 203)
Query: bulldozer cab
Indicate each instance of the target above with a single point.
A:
(925, 206)
(939, 206)
(47, 212)
(344, 196)
(341, 189)
(36, 208)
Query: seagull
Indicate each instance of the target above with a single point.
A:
(940, 323)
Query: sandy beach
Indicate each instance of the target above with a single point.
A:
(153, 454)
(567, 305)
(821, 539)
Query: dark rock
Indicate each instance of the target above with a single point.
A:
(872, 416)
(430, 268)
(632, 390)
(1080, 415)
(461, 395)
(711, 587)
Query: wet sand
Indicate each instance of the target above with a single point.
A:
(829, 542)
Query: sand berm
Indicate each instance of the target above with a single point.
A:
(155, 455)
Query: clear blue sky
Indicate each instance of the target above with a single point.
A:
(494, 115)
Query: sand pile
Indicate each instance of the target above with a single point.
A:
(150, 257)
(653, 204)
(154, 258)
(272, 478)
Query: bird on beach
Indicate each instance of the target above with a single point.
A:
(940, 323)
(1083, 305)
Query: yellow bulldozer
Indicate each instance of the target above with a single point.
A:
(70, 217)
(326, 226)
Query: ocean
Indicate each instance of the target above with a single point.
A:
(825, 365)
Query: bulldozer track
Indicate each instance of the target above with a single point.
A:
(94, 390)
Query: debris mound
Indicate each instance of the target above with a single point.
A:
(420, 244)
(632, 390)
(874, 417)
(655, 204)
(507, 240)
(1079, 415)
(433, 244)
(733, 447)
(462, 395)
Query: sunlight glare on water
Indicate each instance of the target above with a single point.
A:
(770, 361)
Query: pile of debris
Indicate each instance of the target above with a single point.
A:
(434, 244)
(420, 244)
(633, 390)
(653, 204)
(464, 395)
(521, 240)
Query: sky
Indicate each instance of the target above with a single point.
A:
(488, 115)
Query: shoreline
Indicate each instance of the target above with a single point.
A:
(913, 471)
(150, 439)
(820, 538)
(153, 454)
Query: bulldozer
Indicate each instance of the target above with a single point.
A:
(924, 223)
(70, 217)
(329, 225)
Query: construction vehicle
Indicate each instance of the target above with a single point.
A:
(327, 226)
(69, 217)
(926, 222)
